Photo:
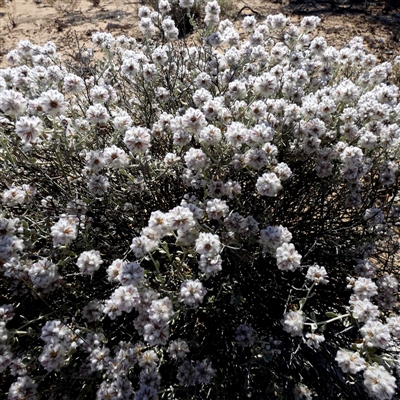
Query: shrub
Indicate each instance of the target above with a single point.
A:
(64, 6)
(216, 219)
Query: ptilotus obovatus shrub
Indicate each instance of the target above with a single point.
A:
(215, 217)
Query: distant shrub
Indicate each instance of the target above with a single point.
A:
(64, 6)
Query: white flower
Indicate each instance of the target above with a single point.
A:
(185, 374)
(208, 244)
(131, 273)
(43, 273)
(230, 36)
(211, 109)
(268, 184)
(171, 159)
(129, 67)
(53, 103)
(196, 159)
(142, 245)
(177, 349)
(365, 268)
(256, 159)
(314, 340)
(210, 266)
(14, 197)
(236, 89)
(125, 298)
(92, 311)
(24, 385)
(274, 236)
(156, 333)
(364, 310)
(318, 45)
(137, 140)
(201, 96)
(212, 7)
(216, 189)
(149, 71)
(350, 362)
(375, 334)
(73, 84)
(99, 94)
(122, 122)
(98, 185)
(287, 258)
(365, 288)
(55, 331)
(64, 231)
(394, 325)
(265, 84)
(111, 309)
(293, 323)
(180, 218)
(309, 23)
(317, 274)
(97, 114)
(103, 39)
(164, 6)
(161, 310)
(99, 358)
(89, 262)
(12, 103)
(148, 358)
(236, 134)
(388, 291)
(53, 356)
(144, 12)
(258, 110)
(249, 23)
(277, 21)
(114, 269)
(282, 171)
(170, 30)
(115, 157)
(6, 312)
(203, 80)
(29, 128)
(192, 293)
(216, 209)
(210, 135)
(302, 392)
(194, 120)
(379, 382)
(94, 160)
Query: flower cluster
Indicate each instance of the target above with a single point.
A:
(168, 205)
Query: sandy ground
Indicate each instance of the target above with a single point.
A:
(67, 21)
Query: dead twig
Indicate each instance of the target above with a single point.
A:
(249, 8)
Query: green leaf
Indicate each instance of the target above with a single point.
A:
(331, 314)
